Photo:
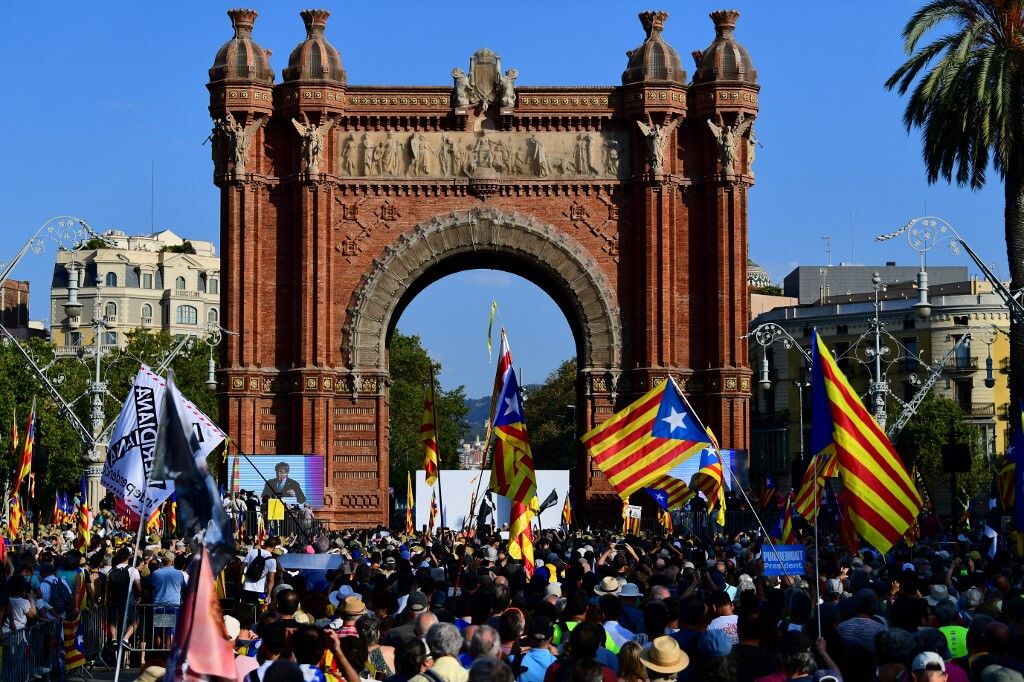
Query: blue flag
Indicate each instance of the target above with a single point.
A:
(660, 497)
(1015, 453)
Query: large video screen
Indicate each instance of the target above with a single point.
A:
(296, 478)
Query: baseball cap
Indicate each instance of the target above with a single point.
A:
(928, 660)
(417, 601)
(540, 630)
(835, 586)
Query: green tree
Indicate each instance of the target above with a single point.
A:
(410, 367)
(551, 418)
(967, 97)
(920, 444)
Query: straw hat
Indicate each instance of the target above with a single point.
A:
(608, 585)
(353, 606)
(665, 656)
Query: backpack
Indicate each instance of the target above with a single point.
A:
(118, 584)
(60, 595)
(254, 571)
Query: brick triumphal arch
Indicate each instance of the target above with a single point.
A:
(340, 202)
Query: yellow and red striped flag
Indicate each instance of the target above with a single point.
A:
(630, 523)
(84, 535)
(432, 519)
(567, 512)
(410, 523)
(710, 478)
(639, 444)
(172, 514)
(665, 520)
(15, 517)
(1007, 484)
(25, 465)
(812, 488)
(670, 492)
(783, 530)
(518, 481)
(883, 500)
(428, 438)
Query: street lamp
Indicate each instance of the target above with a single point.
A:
(765, 383)
(878, 387)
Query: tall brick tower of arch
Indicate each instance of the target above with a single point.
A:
(627, 204)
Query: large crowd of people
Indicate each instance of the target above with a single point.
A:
(599, 606)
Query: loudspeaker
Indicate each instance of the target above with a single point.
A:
(956, 457)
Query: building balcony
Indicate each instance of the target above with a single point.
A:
(110, 319)
(147, 321)
(981, 410)
(66, 351)
(183, 294)
(961, 364)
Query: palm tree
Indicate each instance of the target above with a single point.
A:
(967, 97)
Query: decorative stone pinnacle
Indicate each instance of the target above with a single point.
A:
(315, 20)
(653, 21)
(242, 21)
(725, 21)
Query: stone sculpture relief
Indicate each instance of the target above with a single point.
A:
(453, 154)
(312, 142)
(485, 84)
(657, 136)
(236, 137)
(727, 137)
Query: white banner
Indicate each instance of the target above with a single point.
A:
(633, 511)
(133, 442)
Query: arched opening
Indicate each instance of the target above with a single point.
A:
(484, 238)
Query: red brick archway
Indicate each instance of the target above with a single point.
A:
(340, 202)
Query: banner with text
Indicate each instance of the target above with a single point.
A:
(130, 453)
(783, 560)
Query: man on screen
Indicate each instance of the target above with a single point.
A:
(282, 486)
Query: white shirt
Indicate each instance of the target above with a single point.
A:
(269, 567)
(727, 624)
(19, 612)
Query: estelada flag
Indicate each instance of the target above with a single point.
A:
(669, 492)
(883, 500)
(25, 465)
(638, 445)
(428, 439)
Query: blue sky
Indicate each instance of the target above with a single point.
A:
(97, 92)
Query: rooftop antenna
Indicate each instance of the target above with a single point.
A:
(828, 248)
(853, 239)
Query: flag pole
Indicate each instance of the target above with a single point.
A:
(817, 517)
(128, 596)
(437, 440)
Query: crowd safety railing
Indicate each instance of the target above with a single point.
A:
(32, 652)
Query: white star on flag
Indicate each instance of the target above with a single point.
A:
(675, 420)
(512, 405)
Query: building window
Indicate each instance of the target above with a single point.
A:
(147, 280)
(110, 311)
(111, 280)
(147, 313)
(214, 286)
(842, 330)
(211, 315)
(179, 284)
(109, 338)
(909, 323)
(202, 282)
(910, 359)
(962, 356)
(74, 339)
(186, 314)
(961, 320)
(964, 390)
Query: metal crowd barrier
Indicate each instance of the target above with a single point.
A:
(152, 631)
(32, 652)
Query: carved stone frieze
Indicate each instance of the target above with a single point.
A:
(466, 154)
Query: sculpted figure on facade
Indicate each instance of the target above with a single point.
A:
(446, 156)
(419, 151)
(312, 142)
(611, 156)
(464, 94)
(349, 152)
(727, 137)
(752, 144)
(507, 88)
(238, 138)
(538, 157)
(657, 136)
(583, 155)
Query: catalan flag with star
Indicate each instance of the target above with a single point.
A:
(517, 469)
(636, 446)
(883, 500)
(1013, 470)
(670, 492)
